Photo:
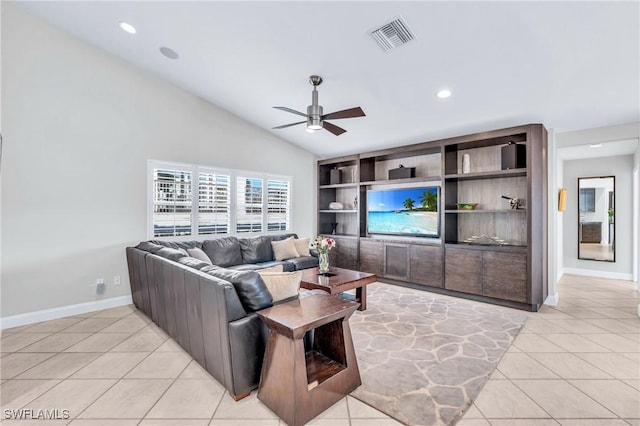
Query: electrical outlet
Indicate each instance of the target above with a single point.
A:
(116, 280)
(100, 285)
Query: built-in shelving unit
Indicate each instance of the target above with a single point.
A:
(513, 273)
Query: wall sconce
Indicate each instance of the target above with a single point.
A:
(562, 199)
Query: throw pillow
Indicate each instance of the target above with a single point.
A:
(282, 285)
(302, 246)
(276, 268)
(285, 249)
(199, 254)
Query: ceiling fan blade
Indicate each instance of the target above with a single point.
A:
(292, 111)
(289, 125)
(333, 128)
(345, 113)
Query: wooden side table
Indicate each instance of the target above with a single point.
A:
(299, 385)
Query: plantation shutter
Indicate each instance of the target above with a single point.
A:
(172, 202)
(278, 205)
(248, 204)
(214, 203)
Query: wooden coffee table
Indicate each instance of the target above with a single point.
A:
(338, 281)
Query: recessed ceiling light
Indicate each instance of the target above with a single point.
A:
(128, 27)
(169, 53)
(444, 93)
(596, 145)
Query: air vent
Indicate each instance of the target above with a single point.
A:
(394, 34)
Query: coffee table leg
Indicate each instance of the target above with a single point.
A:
(361, 297)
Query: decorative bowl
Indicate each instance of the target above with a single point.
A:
(467, 206)
(336, 206)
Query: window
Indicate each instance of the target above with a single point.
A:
(189, 200)
(249, 205)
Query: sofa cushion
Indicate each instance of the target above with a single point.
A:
(274, 268)
(193, 262)
(149, 247)
(302, 246)
(251, 289)
(223, 251)
(199, 254)
(282, 285)
(177, 244)
(303, 262)
(256, 249)
(284, 249)
(171, 254)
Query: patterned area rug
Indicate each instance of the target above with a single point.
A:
(423, 359)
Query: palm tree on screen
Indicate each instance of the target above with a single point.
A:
(409, 204)
(429, 201)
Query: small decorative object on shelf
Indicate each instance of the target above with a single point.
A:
(514, 156)
(466, 164)
(485, 240)
(335, 175)
(514, 203)
(402, 172)
(355, 203)
(324, 245)
(334, 227)
(467, 206)
(336, 206)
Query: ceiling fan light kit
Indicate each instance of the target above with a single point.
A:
(315, 117)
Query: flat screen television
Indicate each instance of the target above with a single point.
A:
(405, 211)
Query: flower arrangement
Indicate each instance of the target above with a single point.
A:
(324, 244)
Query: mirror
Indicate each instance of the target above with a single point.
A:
(596, 218)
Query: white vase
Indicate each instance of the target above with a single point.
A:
(323, 262)
(466, 163)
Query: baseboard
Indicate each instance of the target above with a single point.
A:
(552, 300)
(599, 274)
(63, 311)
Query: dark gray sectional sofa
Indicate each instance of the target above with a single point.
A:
(209, 310)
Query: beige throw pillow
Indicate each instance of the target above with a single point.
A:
(302, 246)
(282, 285)
(199, 254)
(275, 268)
(284, 249)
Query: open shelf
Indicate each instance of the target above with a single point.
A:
(339, 185)
(487, 175)
(345, 236)
(397, 181)
(337, 211)
(485, 211)
(320, 368)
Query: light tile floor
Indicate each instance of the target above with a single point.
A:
(574, 364)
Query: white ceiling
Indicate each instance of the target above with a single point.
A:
(569, 65)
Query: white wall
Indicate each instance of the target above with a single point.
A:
(79, 127)
(621, 167)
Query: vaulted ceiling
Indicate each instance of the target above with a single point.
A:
(570, 65)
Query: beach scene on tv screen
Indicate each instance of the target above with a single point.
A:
(403, 211)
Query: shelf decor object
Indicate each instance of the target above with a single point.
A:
(334, 227)
(402, 172)
(514, 156)
(336, 206)
(485, 240)
(514, 203)
(466, 164)
(335, 177)
(467, 206)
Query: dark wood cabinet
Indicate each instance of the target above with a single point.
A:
(426, 265)
(371, 254)
(512, 272)
(463, 270)
(504, 275)
(345, 253)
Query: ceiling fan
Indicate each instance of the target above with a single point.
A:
(315, 119)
